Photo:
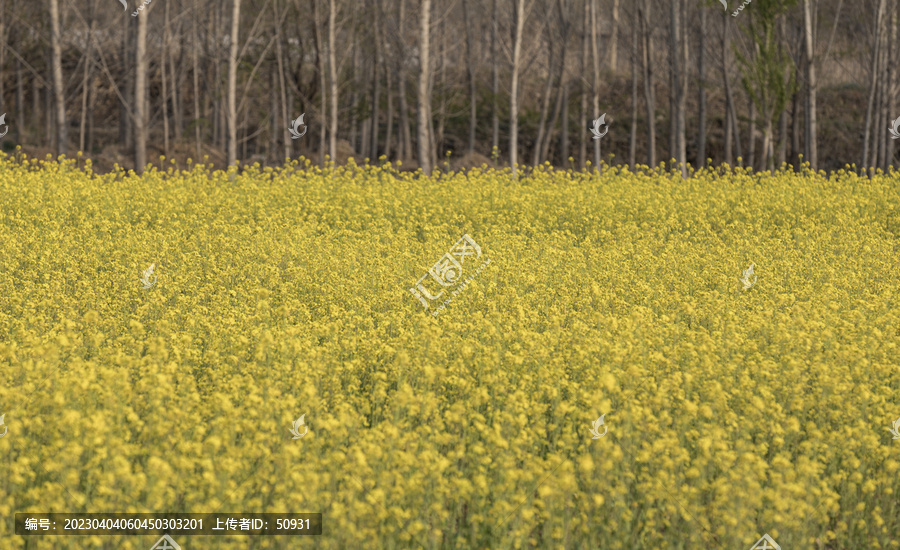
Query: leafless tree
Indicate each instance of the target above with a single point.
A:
(649, 96)
(701, 90)
(332, 68)
(812, 155)
(519, 18)
(232, 81)
(470, 75)
(595, 89)
(424, 101)
(140, 93)
(677, 93)
(59, 91)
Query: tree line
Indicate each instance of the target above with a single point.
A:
(519, 81)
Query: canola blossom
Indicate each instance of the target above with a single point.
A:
(280, 364)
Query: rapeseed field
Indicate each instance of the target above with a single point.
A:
(726, 412)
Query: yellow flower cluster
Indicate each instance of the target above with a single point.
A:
(284, 292)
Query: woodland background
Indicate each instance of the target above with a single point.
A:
(452, 84)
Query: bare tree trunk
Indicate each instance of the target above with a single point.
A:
(873, 86)
(323, 95)
(389, 138)
(232, 82)
(583, 87)
(20, 100)
(787, 73)
(519, 6)
(59, 91)
(288, 110)
(495, 82)
(548, 136)
(125, 117)
(286, 115)
(85, 80)
(811, 133)
(332, 68)
(795, 130)
(376, 92)
(36, 103)
(545, 102)
(140, 96)
(614, 38)
(882, 95)
(437, 138)
(632, 139)
(891, 82)
(404, 136)
(49, 101)
(701, 91)
(767, 156)
(217, 99)
(646, 58)
(564, 130)
(274, 116)
(5, 42)
(198, 116)
(177, 98)
(169, 61)
(678, 93)
(470, 74)
(751, 130)
(595, 52)
(365, 98)
(732, 130)
(424, 137)
(354, 94)
(884, 91)
(564, 21)
(782, 138)
(162, 74)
